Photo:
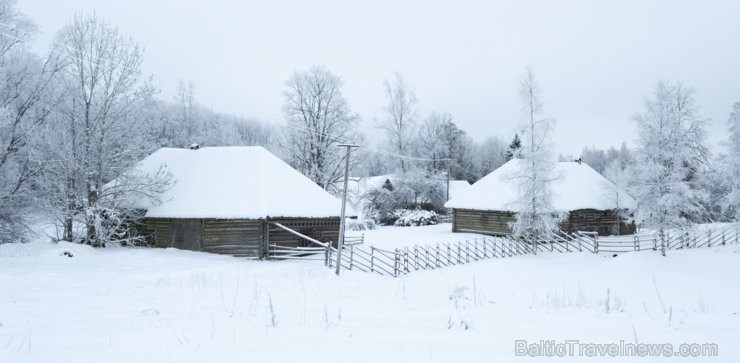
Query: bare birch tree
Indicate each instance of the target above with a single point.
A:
(26, 93)
(670, 146)
(97, 135)
(319, 118)
(431, 144)
(399, 120)
(536, 217)
(733, 161)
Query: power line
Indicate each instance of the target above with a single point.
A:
(307, 130)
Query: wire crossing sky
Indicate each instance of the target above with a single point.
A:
(595, 61)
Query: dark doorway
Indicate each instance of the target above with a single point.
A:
(186, 234)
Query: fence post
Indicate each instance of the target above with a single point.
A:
(637, 243)
(437, 256)
(395, 263)
(655, 243)
(485, 241)
(406, 259)
(596, 245)
(372, 259)
(467, 251)
(329, 257)
(351, 255)
(580, 245)
(709, 238)
(723, 237)
(326, 254)
(416, 258)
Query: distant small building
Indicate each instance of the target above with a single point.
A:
(489, 205)
(229, 199)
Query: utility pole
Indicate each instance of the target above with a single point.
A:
(340, 240)
(448, 180)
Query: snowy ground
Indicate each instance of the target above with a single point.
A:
(157, 305)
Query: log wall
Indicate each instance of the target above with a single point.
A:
(497, 222)
(322, 229)
(479, 221)
(238, 237)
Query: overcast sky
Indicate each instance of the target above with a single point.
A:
(595, 61)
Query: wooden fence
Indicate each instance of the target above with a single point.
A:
(400, 261)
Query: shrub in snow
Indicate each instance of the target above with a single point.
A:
(459, 318)
(114, 227)
(417, 217)
(415, 191)
(360, 224)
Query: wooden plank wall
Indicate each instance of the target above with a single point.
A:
(238, 237)
(478, 221)
(245, 237)
(593, 220)
(322, 229)
(497, 222)
(160, 229)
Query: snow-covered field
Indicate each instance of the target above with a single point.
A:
(166, 305)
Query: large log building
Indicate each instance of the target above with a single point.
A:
(230, 199)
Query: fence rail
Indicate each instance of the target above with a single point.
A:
(408, 259)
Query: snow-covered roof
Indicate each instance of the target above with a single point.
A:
(457, 187)
(578, 186)
(234, 182)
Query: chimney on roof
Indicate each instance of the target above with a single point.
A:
(194, 146)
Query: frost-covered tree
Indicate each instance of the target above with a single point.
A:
(516, 144)
(399, 121)
(96, 132)
(492, 153)
(670, 147)
(187, 112)
(319, 118)
(431, 140)
(616, 191)
(536, 216)
(733, 161)
(26, 94)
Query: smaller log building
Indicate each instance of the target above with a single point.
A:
(589, 202)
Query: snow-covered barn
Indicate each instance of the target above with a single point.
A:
(229, 199)
(589, 199)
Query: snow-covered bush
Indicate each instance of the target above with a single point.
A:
(114, 226)
(360, 224)
(417, 217)
(380, 205)
(415, 191)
